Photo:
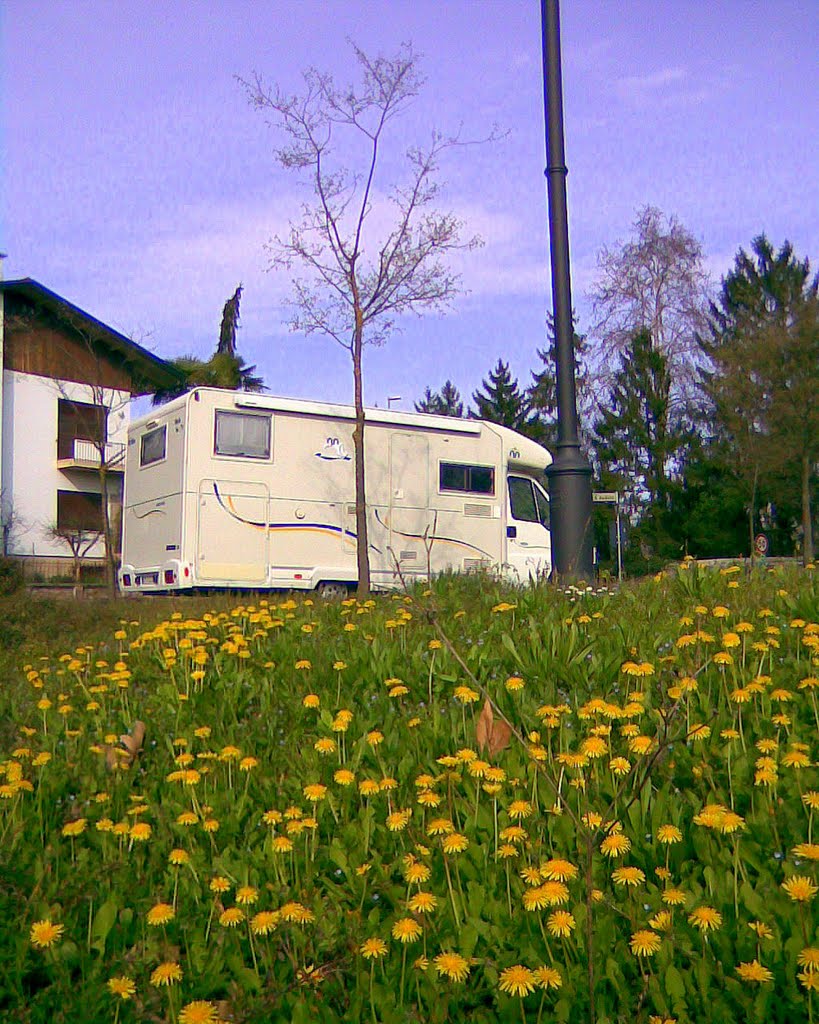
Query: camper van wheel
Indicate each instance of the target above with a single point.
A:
(329, 591)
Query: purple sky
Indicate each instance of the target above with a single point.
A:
(138, 183)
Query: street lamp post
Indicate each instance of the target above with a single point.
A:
(570, 473)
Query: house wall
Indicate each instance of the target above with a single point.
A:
(31, 478)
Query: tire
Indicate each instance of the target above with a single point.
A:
(332, 591)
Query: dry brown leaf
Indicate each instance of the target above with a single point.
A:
(130, 744)
(500, 738)
(483, 727)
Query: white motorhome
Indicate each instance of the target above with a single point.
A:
(229, 489)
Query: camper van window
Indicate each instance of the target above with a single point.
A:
(242, 435)
(456, 476)
(152, 446)
(524, 503)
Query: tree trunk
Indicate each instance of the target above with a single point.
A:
(110, 559)
(362, 539)
(807, 524)
(751, 512)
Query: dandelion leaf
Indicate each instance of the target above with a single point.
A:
(104, 921)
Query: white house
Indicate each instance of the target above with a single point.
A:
(67, 380)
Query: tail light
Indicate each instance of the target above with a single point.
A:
(170, 576)
(126, 579)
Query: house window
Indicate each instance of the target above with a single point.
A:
(79, 421)
(79, 511)
(242, 435)
(152, 446)
(457, 476)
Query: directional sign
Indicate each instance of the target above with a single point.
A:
(606, 497)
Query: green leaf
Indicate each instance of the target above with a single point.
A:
(104, 921)
(674, 984)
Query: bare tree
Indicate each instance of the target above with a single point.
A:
(12, 524)
(654, 281)
(79, 542)
(352, 283)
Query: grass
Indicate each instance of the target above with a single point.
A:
(470, 802)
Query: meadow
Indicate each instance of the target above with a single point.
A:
(466, 802)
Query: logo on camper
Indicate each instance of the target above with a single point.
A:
(333, 451)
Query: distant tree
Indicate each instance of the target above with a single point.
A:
(356, 278)
(502, 401)
(542, 392)
(446, 402)
(655, 281)
(224, 369)
(79, 542)
(230, 324)
(637, 438)
(763, 349)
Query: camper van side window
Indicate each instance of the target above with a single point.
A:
(152, 446)
(242, 435)
(457, 476)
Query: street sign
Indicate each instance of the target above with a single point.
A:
(761, 545)
(606, 497)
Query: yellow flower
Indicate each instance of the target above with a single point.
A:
(645, 943)
(673, 897)
(121, 986)
(198, 1012)
(166, 974)
(514, 683)
(705, 918)
(440, 827)
(615, 845)
(517, 981)
(661, 921)
(219, 884)
(372, 949)
(620, 765)
(455, 843)
(140, 832)
(422, 903)
(519, 809)
(561, 923)
(416, 873)
(231, 917)
(45, 933)
(76, 828)
(548, 977)
(628, 876)
(809, 959)
(754, 971)
(315, 791)
(406, 930)
(247, 895)
(558, 870)
(264, 922)
(160, 914)
(344, 777)
(398, 820)
(800, 888)
(452, 966)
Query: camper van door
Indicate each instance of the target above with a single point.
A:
(529, 542)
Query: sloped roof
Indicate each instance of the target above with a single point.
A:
(147, 371)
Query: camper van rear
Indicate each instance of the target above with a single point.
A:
(225, 489)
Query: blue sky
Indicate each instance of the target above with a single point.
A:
(138, 183)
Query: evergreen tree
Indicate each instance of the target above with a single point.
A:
(542, 392)
(638, 443)
(503, 402)
(763, 349)
(446, 402)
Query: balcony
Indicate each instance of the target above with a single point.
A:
(86, 455)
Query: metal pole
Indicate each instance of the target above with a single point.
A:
(619, 544)
(570, 473)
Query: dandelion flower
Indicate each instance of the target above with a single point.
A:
(45, 933)
(264, 922)
(452, 966)
(628, 876)
(800, 888)
(615, 845)
(705, 919)
(140, 832)
(231, 917)
(198, 1012)
(440, 827)
(219, 884)
(754, 971)
(517, 981)
(168, 973)
(344, 777)
(406, 930)
(121, 986)
(372, 949)
(247, 895)
(673, 897)
(454, 843)
(416, 873)
(558, 870)
(160, 914)
(809, 959)
(548, 977)
(668, 834)
(561, 923)
(519, 809)
(423, 903)
(645, 943)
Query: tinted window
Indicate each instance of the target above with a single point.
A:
(79, 512)
(457, 476)
(152, 446)
(522, 500)
(241, 434)
(542, 506)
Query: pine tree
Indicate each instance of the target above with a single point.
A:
(446, 402)
(542, 392)
(503, 402)
(637, 441)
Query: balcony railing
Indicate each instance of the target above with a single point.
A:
(86, 455)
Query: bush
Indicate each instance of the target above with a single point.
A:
(11, 576)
